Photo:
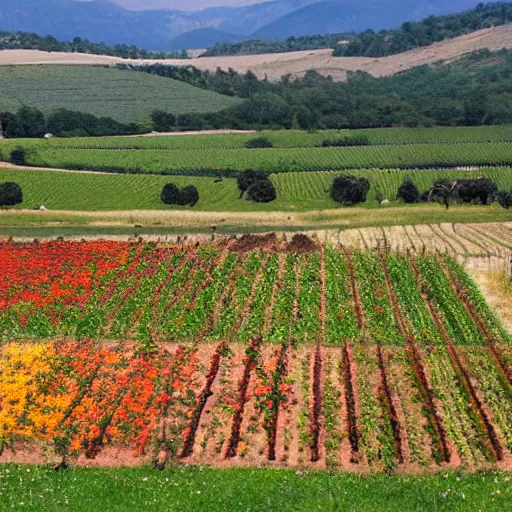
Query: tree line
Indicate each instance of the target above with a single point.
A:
(32, 41)
(292, 44)
(475, 90)
(30, 122)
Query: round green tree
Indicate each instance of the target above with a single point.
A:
(10, 194)
(262, 191)
(171, 194)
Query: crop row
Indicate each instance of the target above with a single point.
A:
(252, 403)
(211, 292)
(284, 139)
(226, 161)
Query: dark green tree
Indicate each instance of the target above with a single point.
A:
(249, 177)
(6, 118)
(171, 194)
(350, 190)
(505, 198)
(10, 194)
(28, 122)
(408, 192)
(189, 195)
(163, 121)
(262, 191)
(18, 156)
(259, 143)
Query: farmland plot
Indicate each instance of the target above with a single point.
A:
(249, 352)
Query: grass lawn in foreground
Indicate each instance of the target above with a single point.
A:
(142, 489)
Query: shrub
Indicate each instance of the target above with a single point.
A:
(18, 156)
(262, 191)
(505, 199)
(350, 190)
(359, 139)
(247, 178)
(189, 195)
(259, 142)
(408, 192)
(10, 194)
(171, 194)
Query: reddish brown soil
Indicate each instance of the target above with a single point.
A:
(250, 242)
(301, 244)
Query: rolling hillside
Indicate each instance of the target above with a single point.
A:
(297, 63)
(125, 96)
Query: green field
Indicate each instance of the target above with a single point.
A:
(213, 161)
(299, 191)
(285, 139)
(126, 96)
(204, 488)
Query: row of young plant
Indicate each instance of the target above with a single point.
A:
(220, 401)
(187, 293)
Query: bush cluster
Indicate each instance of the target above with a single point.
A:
(359, 139)
(172, 195)
(350, 190)
(258, 143)
(258, 186)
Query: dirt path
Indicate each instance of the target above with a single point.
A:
(8, 165)
(274, 66)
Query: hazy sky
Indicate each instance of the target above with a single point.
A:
(182, 5)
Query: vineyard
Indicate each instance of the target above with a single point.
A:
(284, 139)
(249, 351)
(228, 161)
(102, 91)
(299, 191)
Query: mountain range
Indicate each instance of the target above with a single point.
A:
(104, 21)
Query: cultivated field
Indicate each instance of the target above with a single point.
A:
(297, 191)
(274, 66)
(123, 95)
(249, 352)
(275, 160)
(279, 139)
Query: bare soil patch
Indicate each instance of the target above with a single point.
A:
(302, 244)
(250, 242)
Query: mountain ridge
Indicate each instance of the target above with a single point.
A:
(104, 21)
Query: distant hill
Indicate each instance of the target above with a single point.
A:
(104, 21)
(330, 17)
(202, 38)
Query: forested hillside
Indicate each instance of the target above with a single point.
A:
(474, 90)
(435, 28)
